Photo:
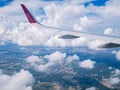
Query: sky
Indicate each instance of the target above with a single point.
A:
(5, 2)
(94, 16)
(97, 2)
(94, 2)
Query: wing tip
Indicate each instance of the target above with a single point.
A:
(29, 16)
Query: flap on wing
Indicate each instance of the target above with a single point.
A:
(68, 36)
(109, 45)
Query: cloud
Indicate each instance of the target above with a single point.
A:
(113, 80)
(111, 8)
(84, 23)
(94, 44)
(55, 41)
(60, 15)
(24, 34)
(33, 59)
(114, 52)
(56, 57)
(91, 88)
(116, 72)
(78, 42)
(14, 12)
(87, 64)
(52, 59)
(21, 80)
(108, 31)
(44, 63)
(71, 58)
(118, 55)
(55, 14)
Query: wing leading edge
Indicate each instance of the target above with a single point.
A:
(111, 41)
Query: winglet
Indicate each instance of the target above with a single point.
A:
(29, 16)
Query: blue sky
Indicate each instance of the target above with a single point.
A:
(5, 2)
(95, 2)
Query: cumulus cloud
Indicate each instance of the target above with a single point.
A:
(63, 15)
(28, 35)
(84, 23)
(79, 42)
(113, 80)
(33, 59)
(71, 58)
(45, 62)
(118, 55)
(66, 14)
(87, 64)
(14, 12)
(116, 72)
(21, 80)
(91, 88)
(94, 44)
(56, 57)
(55, 41)
(108, 31)
(111, 8)
(114, 52)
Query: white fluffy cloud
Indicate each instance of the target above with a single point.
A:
(111, 9)
(61, 15)
(91, 88)
(78, 42)
(84, 23)
(56, 57)
(55, 41)
(116, 72)
(114, 78)
(21, 80)
(118, 55)
(87, 64)
(71, 58)
(33, 59)
(40, 63)
(67, 15)
(115, 81)
(94, 44)
(44, 63)
(108, 31)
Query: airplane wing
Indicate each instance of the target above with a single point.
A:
(111, 41)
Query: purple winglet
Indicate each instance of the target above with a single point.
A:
(28, 14)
